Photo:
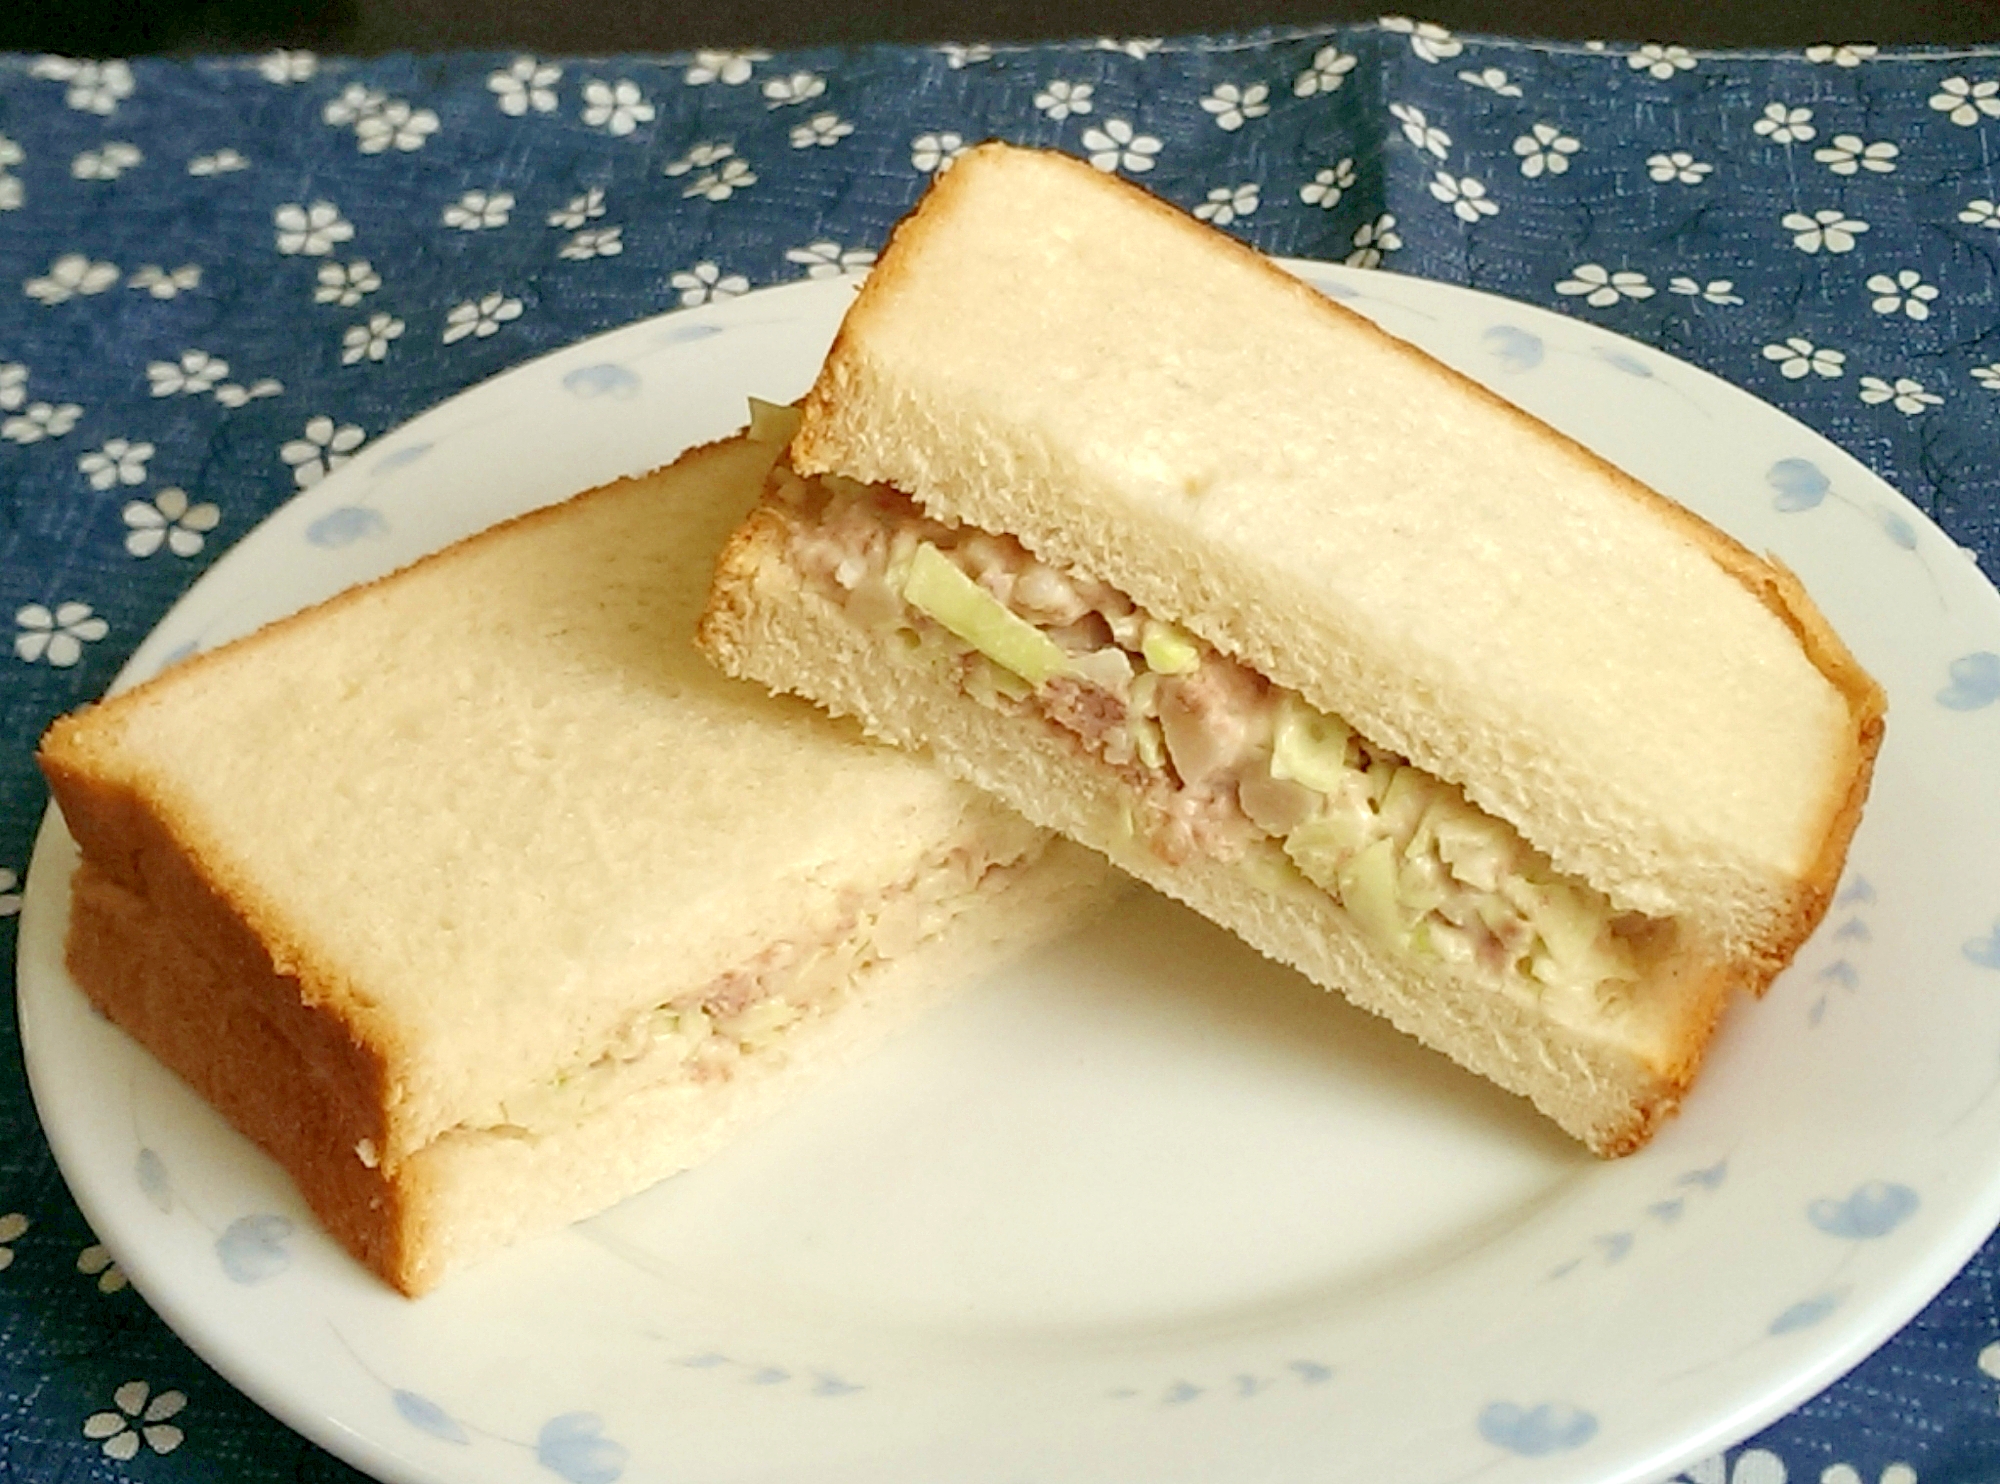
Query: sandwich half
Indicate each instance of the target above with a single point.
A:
(1173, 554)
(480, 901)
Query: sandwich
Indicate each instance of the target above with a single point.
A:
(1126, 525)
(480, 901)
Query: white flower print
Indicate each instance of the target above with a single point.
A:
(1226, 203)
(229, 394)
(1963, 101)
(1980, 212)
(1372, 240)
(1905, 394)
(370, 341)
(1419, 130)
(600, 242)
(1782, 124)
(935, 152)
(585, 208)
(194, 373)
(720, 184)
(1797, 356)
(1677, 165)
(525, 84)
(957, 56)
(1466, 197)
(1829, 230)
(94, 87)
(1545, 150)
(396, 126)
(119, 461)
(830, 259)
(12, 193)
(11, 154)
(283, 67)
(1851, 55)
(1601, 287)
(1988, 376)
(705, 281)
(71, 275)
(1233, 106)
(95, 1261)
(1845, 154)
(346, 285)
(617, 108)
(1327, 186)
(165, 283)
(1846, 1473)
(354, 103)
(324, 448)
(479, 318)
(800, 87)
(731, 69)
(13, 1226)
(221, 162)
(168, 520)
(1753, 1466)
(1661, 62)
(1061, 99)
(1138, 48)
(107, 162)
(13, 385)
(1330, 66)
(1428, 40)
(824, 129)
(310, 231)
(1906, 291)
(1715, 291)
(137, 1419)
(39, 420)
(1118, 146)
(1493, 79)
(698, 158)
(57, 637)
(478, 210)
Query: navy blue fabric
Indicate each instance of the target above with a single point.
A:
(218, 277)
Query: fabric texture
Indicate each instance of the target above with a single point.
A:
(218, 279)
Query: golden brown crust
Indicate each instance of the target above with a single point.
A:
(279, 1071)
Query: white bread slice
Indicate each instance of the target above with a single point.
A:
(1051, 353)
(400, 884)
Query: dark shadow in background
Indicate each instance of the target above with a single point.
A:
(126, 27)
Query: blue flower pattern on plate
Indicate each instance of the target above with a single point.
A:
(1536, 1432)
(1975, 682)
(1801, 484)
(1869, 1211)
(346, 525)
(603, 380)
(252, 1248)
(421, 1412)
(574, 1447)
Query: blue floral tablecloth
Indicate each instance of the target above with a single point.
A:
(219, 279)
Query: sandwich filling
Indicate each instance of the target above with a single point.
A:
(1215, 755)
(711, 1032)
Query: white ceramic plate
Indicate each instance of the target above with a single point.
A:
(1145, 1209)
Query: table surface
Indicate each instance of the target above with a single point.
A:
(123, 27)
(235, 267)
